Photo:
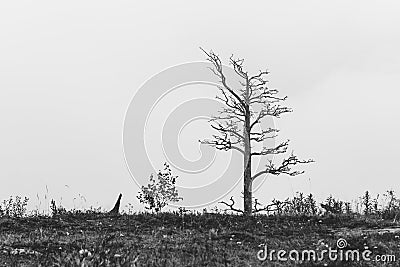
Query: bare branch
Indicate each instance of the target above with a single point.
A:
(230, 127)
(270, 110)
(277, 110)
(279, 149)
(231, 206)
(284, 168)
(223, 142)
(230, 101)
(220, 143)
(216, 61)
(267, 207)
(261, 115)
(264, 134)
(238, 66)
(264, 93)
(228, 114)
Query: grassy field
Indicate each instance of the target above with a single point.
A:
(187, 239)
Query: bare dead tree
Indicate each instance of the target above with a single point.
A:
(236, 123)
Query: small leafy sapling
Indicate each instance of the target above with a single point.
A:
(347, 208)
(14, 207)
(56, 210)
(333, 206)
(311, 205)
(160, 191)
(367, 203)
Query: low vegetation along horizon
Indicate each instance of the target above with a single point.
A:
(218, 237)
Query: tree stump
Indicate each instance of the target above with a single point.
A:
(115, 210)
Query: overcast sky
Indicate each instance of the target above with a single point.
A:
(68, 72)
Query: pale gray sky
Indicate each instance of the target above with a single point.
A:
(68, 72)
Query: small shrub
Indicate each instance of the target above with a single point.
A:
(56, 210)
(391, 209)
(367, 203)
(347, 208)
(298, 205)
(333, 205)
(279, 205)
(160, 191)
(14, 207)
(311, 205)
(375, 205)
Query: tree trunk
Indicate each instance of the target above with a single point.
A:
(247, 188)
(247, 182)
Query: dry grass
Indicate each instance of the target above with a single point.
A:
(182, 239)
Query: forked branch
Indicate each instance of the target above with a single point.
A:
(284, 168)
(231, 206)
(218, 71)
(267, 208)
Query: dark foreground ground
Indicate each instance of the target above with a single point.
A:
(173, 239)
